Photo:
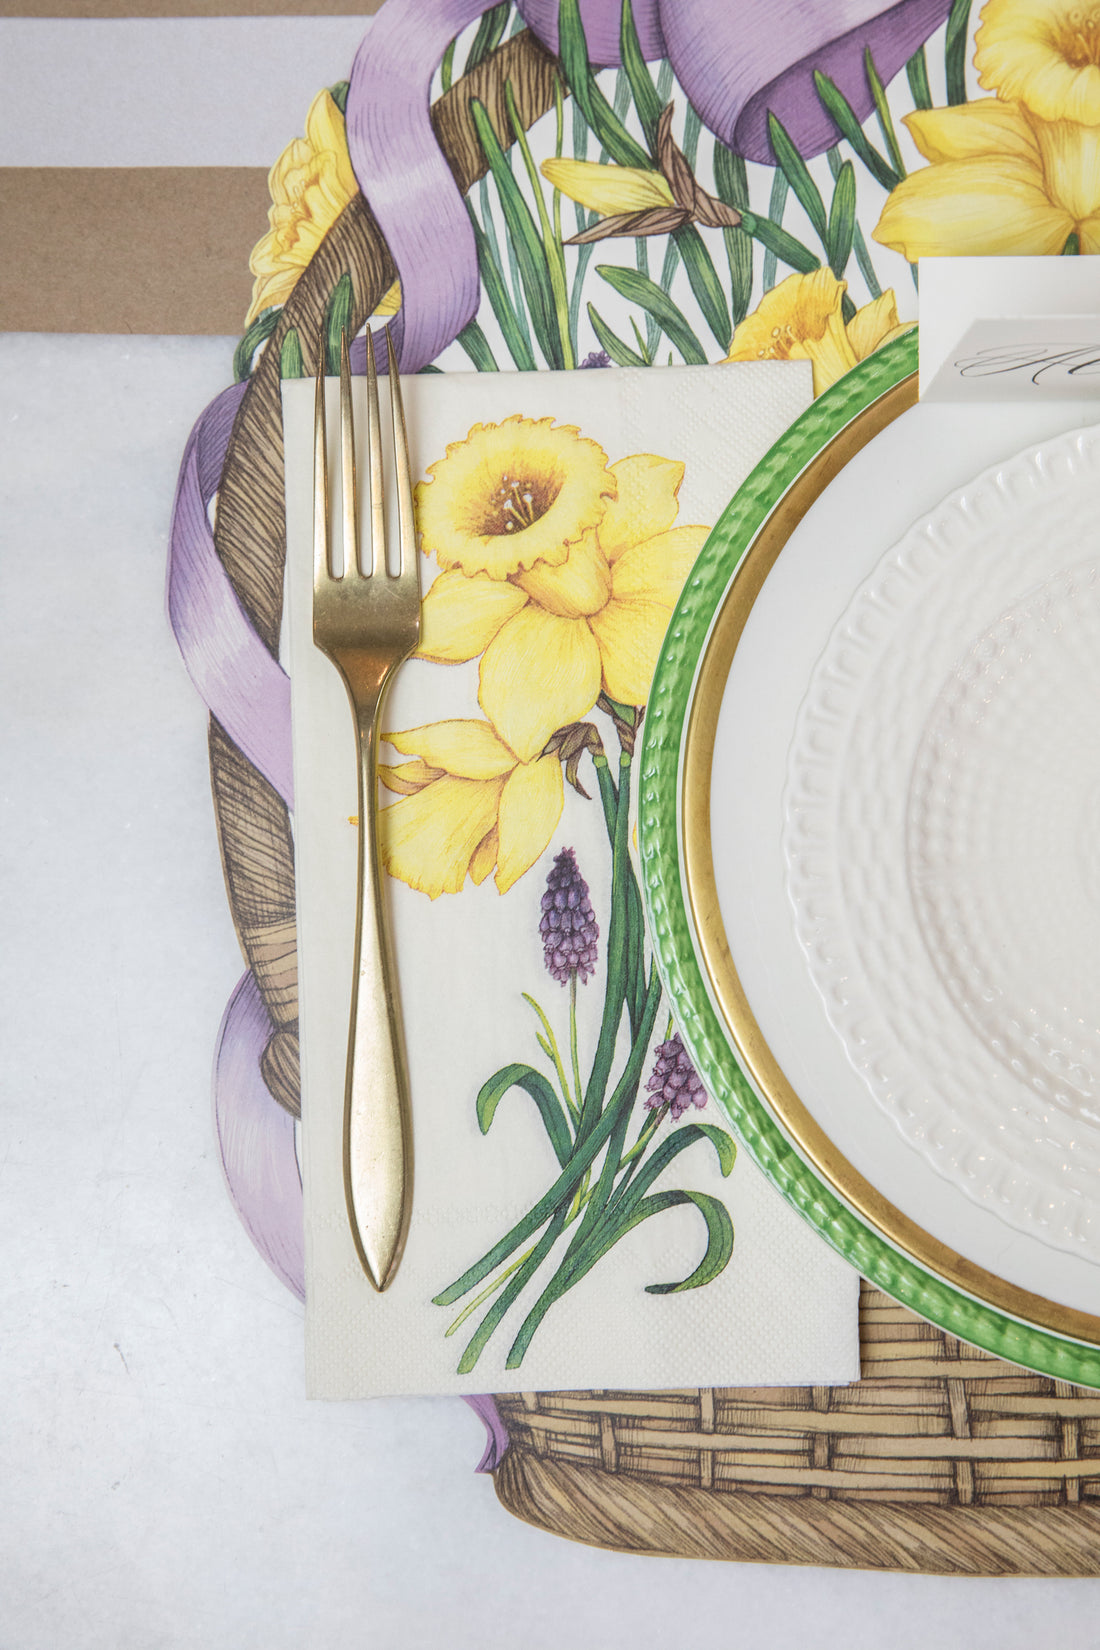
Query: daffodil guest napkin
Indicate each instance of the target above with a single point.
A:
(581, 1216)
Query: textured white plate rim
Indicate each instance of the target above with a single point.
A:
(952, 571)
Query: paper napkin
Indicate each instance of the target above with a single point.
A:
(488, 994)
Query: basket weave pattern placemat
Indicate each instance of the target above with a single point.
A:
(941, 1458)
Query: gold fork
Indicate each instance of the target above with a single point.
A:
(367, 621)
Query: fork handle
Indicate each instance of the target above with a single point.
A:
(377, 1127)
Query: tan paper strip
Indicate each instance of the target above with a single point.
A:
(128, 249)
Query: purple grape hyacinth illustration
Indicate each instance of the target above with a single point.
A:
(675, 1083)
(568, 923)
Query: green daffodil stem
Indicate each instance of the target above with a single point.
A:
(645, 1135)
(580, 1200)
(559, 137)
(551, 243)
(558, 1194)
(616, 1119)
(584, 253)
(609, 796)
(578, 1086)
(954, 51)
(511, 318)
(477, 1343)
(778, 201)
(579, 1203)
(622, 1104)
(493, 245)
(614, 1161)
(487, 39)
(490, 1289)
(882, 110)
(672, 251)
(585, 1152)
(634, 1156)
(859, 245)
(523, 233)
(916, 72)
(643, 347)
(550, 1043)
(615, 992)
(632, 932)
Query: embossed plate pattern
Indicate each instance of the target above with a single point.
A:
(940, 811)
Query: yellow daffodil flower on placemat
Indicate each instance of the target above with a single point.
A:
(636, 201)
(561, 571)
(801, 320)
(1001, 182)
(608, 189)
(311, 183)
(1046, 57)
(1018, 173)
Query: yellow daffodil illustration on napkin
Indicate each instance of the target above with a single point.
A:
(471, 806)
(561, 571)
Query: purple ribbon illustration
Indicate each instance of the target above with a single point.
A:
(244, 687)
(734, 61)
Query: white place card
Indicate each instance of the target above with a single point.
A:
(997, 329)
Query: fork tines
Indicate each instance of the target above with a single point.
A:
(363, 554)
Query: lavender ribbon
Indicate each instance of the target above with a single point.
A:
(244, 686)
(256, 1140)
(497, 1440)
(738, 62)
(602, 23)
(738, 59)
(404, 175)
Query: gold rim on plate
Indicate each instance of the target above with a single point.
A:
(811, 1141)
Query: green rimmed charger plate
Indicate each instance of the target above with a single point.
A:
(716, 1021)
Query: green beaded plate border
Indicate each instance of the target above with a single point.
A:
(671, 924)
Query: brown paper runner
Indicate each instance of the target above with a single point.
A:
(128, 249)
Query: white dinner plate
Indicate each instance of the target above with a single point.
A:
(810, 812)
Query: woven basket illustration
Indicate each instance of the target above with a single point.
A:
(942, 1458)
